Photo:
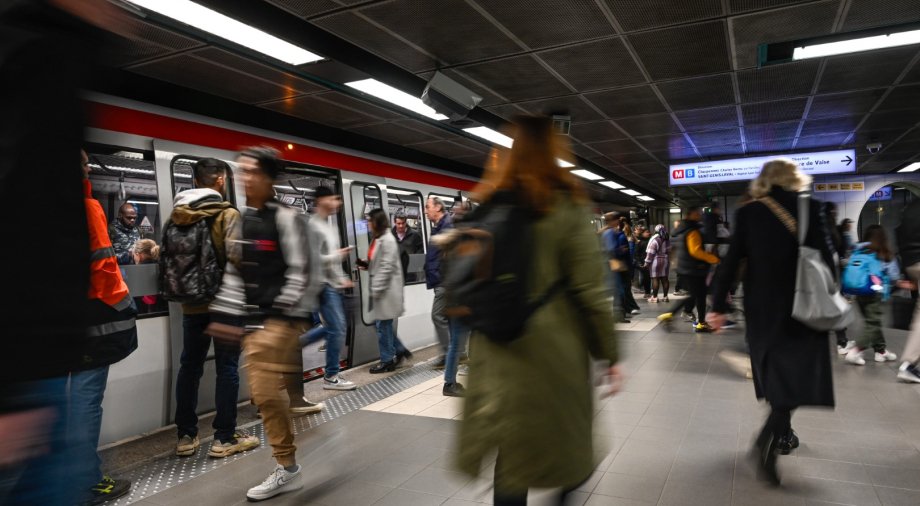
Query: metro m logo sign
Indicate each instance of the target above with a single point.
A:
(677, 174)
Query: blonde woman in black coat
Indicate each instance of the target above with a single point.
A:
(791, 363)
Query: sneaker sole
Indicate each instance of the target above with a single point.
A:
(304, 411)
(291, 486)
(908, 378)
(339, 387)
(186, 452)
(215, 454)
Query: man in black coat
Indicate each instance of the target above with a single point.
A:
(410, 243)
(908, 236)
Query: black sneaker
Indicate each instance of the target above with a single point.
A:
(454, 390)
(107, 489)
(383, 367)
(787, 443)
(440, 362)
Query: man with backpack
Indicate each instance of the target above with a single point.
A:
(199, 240)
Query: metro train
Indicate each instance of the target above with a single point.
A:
(143, 154)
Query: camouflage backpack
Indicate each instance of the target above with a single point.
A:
(190, 272)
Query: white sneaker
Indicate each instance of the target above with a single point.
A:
(854, 356)
(307, 408)
(887, 356)
(908, 373)
(843, 350)
(635, 311)
(337, 382)
(279, 482)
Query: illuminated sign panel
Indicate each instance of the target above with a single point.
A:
(741, 169)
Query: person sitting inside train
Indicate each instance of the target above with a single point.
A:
(124, 233)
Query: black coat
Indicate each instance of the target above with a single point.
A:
(791, 362)
(908, 235)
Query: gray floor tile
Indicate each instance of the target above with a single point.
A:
(460, 502)
(677, 493)
(437, 482)
(898, 496)
(402, 497)
(830, 470)
(897, 477)
(630, 487)
(388, 473)
(353, 492)
(841, 492)
(604, 500)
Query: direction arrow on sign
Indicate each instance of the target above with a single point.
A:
(848, 160)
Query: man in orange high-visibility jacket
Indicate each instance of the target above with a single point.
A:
(111, 336)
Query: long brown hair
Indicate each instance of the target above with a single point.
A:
(531, 166)
(878, 242)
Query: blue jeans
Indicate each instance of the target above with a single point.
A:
(387, 342)
(84, 422)
(333, 331)
(456, 347)
(195, 345)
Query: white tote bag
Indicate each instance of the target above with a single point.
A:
(818, 303)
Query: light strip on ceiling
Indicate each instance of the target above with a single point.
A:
(142, 202)
(564, 164)
(612, 185)
(587, 174)
(675, 210)
(386, 92)
(394, 191)
(228, 28)
(911, 168)
(644, 198)
(633, 193)
(857, 45)
(501, 139)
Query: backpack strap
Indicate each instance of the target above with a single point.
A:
(803, 216)
(781, 213)
(546, 297)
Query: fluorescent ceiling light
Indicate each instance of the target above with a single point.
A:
(911, 168)
(611, 184)
(644, 198)
(856, 45)
(142, 202)
(122, 169)
(394, 191)
(587, 174)
(228, 28)
(634, 193)
(490, 135)
(675, 210)
(564, 164)
(392, 95)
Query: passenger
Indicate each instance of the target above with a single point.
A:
(124, 233)
(616, 249)
(659, 263)
(846, 231)
(112, 336)
(645, 282)
(541, 424)
(386, 291)
(207, 203)
(679, 288)
(630, 306)
(790, 362)
(332, 280)
(436, 213)
(884, 273)
(711, 221)
(146, 251)
(842, 250)
(908, 237)
(410, 243)
(272, 281)
(693, 265)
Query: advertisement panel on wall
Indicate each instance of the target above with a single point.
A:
(741, 169)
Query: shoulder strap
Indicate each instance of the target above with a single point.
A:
(804, 212)
(780, 212)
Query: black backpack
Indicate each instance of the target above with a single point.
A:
(190, 272)
(486, 269)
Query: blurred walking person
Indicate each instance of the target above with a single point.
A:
(658, 261)
(693, 264)
(908, 237)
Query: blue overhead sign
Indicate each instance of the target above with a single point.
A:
(883, 193)
(741, 169)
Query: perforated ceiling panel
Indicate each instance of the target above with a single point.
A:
(597, 131)
(542, 23)
(865, 70)
(612, 148)
(873, 13)
(698, 92)
(148, 41)
(517, 78)
(357, 30)
(739, 6)
(716, 137)
(316, 108)
(795, 22)
(653, 124)
(844, 104)
(231, 61)
(579, 110)
(773, 112)
(901, 97)
(666, 143)
(636, 15)
(830, 125)
(627, 101)
(708, 119)
(683, 51)
(306, 8)
(778, 81)
(393, 132)
(595, 65)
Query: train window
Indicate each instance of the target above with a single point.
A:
(364, 198)
(181, 169)
(455, 205)
(124, 182)
(407, 215)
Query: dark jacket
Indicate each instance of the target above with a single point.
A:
(44, 55)
(908, 235)
(411, 244)
(791, 363)
(687, 264)
(433, 256)
(641, 250)
(710, 228)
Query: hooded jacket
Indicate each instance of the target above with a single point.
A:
(192, 206)
(692, 260)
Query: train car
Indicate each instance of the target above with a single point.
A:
(143, 155)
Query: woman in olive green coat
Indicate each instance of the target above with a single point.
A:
(531, 400)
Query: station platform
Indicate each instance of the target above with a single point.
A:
(679, 434)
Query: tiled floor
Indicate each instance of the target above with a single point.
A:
(678, 435)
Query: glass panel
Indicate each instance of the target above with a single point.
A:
(124, 183)
(183, 175)
(364, 198)
(407, 209)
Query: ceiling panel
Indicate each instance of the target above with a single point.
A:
(683, 51)
(708, 119)
(627, 101)
(717, 151)
(768, 145)
(653, 124)
(771, 112)
(426, 129)
(778, 81)
(865, 70)
(549, 22)
(306, 8)
(698, 92)
(830, 125)
(865, 135)
(594, 65)
(675, 155)
(518, 78)
(771, 131)
(913, 75)
(844, 104)
(892, 119)
(716, 137)
(598, 131)
(666, 143)
(356, 30)
(872, 13)
(613, 148)
(636, 15)
(394, 133)
(629, 159)
(450, 30)
(901, 97)
(582, 150)
(146, 42)
(738, 6)
(506, 111)
(447, 149)
(781, 25)
(571, 105)
(314, 108)
(829, 141)
(238, 63)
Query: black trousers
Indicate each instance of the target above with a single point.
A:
(629, 302)
(697, 299)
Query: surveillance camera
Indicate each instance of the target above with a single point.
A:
(874, 147)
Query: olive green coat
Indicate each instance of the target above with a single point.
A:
(532, 399)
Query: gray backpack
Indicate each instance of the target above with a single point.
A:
(190, 272)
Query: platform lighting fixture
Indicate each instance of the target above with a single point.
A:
(856, 45)
(612, 185)
(230, 29)
(390, 94)
(501, 139)
(400, 192)
(675, 210)
(911, 168)
(632, 193)
(142, 202)
(587, 174)
(643, 198)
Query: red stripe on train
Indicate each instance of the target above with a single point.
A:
(122, 119)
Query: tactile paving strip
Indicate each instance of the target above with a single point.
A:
(163, 473)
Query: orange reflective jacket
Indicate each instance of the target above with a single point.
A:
(105, 281)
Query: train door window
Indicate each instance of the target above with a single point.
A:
(181, 169)
(407, 215)
(454, 205)
(365, 198)
(124, 183)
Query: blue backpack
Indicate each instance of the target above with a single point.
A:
(857, 274)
